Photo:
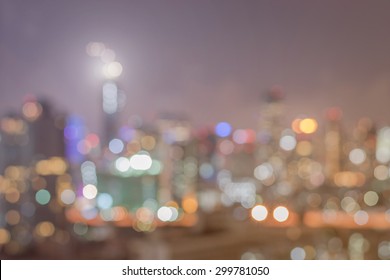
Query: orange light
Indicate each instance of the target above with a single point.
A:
(295, 126)
(190, 205)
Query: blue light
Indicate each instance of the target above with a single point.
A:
(223, 129)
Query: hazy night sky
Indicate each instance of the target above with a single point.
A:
(209, 59)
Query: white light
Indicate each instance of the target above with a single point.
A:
(107, 56)
(281, 213)
(288, 142)
(298, 253)
(381, 172)
(206, 170)
(90, 191)
(263, 171)
(174, 215)
(68, 197)
(383, 155)
(371, 198)
(122, 164)
(141, 162)
(112, 70)
(116, 146)
(95, 48)
(361, 217)
(104, 200)
(259, 213)
(110, 98)
(164, 213)
(357, 156)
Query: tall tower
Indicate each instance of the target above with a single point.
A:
(271, 117)
(110, 106)
(333, 143)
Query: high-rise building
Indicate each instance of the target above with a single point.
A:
(333, 144)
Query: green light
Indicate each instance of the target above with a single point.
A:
(42, 197)
(156, 167)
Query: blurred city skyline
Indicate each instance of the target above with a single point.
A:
(209, 60)
(194, 129)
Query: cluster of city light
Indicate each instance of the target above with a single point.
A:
(292, 156)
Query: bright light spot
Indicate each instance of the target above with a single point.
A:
(206, 170)
(263, 171)
(308, 126)
(259, 213)
(190, 205)
(90, 191)
(357, 156)
(141, 161)
(175, 214)
(295, 125)
(116, 146)
(104, 201)
(68, 197)
(288, 142)
(361, 217)
(381, 172)
(298, 253)
(281, 213)
(42, 197)
(112, 70)
(371, 198)
(164, 213)
(122, 164)
(223, 129)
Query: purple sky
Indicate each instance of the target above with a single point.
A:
(209, 59)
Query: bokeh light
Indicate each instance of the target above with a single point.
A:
(281, 214)
(259, 213)
(223, 129)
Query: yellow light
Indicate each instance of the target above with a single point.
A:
(148, 142)
(43, 167)
(308, 125)
(44, 229)
(4, 236)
